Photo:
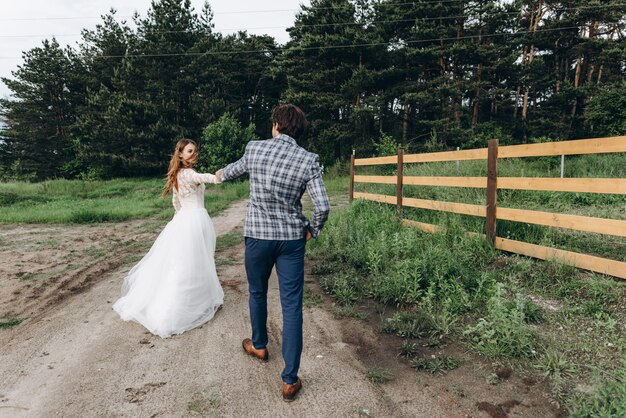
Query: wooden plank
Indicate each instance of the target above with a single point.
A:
(351, 195)
(580, 223)
(463, 155)
(475, 182)
(580, 146)
(376, 179)
(577, 185)
(492, 190)
(376, 160)
(462, 208)
(430, 228)
(583, 261)
(375, 197)
(400, 171)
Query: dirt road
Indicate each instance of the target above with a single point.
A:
(73, 356)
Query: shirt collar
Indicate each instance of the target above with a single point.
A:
(286, 138)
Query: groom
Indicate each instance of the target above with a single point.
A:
(276, 232)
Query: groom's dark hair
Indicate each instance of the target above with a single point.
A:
(290, 119)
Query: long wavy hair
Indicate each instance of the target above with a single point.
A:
(176, 164)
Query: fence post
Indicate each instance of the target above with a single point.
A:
(351, 197)
(399, 181)
(492, 189)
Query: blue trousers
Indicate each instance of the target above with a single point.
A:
(288, 257)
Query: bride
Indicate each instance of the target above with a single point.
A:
(175, 288)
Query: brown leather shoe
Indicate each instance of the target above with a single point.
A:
(248, 347)
(290, 390)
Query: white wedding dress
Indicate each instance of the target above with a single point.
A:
(175, 288)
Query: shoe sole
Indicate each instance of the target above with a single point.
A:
(293, 398)
(264, 360)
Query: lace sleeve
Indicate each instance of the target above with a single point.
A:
(175, 200)
(194, 177)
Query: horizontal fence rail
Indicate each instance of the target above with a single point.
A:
(492, 183)
(577, 185)
(575, 147)
(583, 261)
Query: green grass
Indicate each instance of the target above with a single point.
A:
(9, 320)
(77, 201)
(413, 324)
(435, 365)
(452, 285)
(555, 321)
(608, 398)
(408, 349)
(378, 375)
(311, 298)
(503, 332)
(228, 240)
(349, 311)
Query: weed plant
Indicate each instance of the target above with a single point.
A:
(408, 349)
(435, 365)
(378, 375)
(503, 331)
(557, 369)
(607, 399)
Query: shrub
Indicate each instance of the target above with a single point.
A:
(223, 142)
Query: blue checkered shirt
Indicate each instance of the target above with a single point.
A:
(280, 171)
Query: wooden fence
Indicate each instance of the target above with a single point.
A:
(492, 183)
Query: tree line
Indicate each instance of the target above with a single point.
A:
(425, 75)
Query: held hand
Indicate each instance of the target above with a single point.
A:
(218, 176)
(308, 235)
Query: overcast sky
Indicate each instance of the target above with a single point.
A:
(25, 23)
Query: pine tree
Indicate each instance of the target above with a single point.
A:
(47, 92)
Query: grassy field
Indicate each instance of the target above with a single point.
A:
(547, 320)
(76, 201)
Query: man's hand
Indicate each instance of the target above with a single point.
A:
(218, 176)
(308, 235)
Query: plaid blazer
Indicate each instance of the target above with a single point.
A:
(280, 171)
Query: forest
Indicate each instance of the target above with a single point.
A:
(371, 75)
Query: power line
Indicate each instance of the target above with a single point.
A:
(233, 12)
(232, 29)
(298, 49)
(332, 24)
(308, 8)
